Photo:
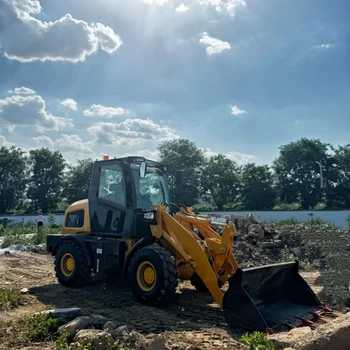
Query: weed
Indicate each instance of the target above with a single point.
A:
(10, 297)
(287, 256)
(286, 222)
(62, 342)
(16, 233)
(258, 341)
(41, 327)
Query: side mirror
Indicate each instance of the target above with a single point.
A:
(178, 177)
(143, 168)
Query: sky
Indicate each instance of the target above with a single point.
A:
(117, 77)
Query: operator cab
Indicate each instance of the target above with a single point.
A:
(122, 191)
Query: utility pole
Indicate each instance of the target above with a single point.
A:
(321, 172)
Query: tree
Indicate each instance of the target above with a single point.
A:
(182, 154)
(12, 178)
(258, 192)
(46, 178)
(77, 180)
(220, 176)
(298, 174)
(338, 194)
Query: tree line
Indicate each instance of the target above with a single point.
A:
(307, 174)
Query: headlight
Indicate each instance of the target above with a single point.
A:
(149, 216)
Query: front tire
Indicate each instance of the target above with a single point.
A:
(71, 265)
(153, 275)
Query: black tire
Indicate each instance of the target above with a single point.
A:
(81, 271)
(197, 282)
(163, 288)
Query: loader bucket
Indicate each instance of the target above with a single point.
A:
(269, 296)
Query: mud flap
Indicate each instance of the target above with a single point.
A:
(268, 296)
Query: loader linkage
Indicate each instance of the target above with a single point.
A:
(266, 298)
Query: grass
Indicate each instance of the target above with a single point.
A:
(41, 327)
(10, 297)
(16, 234)
(292, 221)
(257, 341)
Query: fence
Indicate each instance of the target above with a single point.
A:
(338, 218)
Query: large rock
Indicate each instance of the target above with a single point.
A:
(289, 339)
(256, 231)
(110, 326)
(98, 321)
(75, 325)
(332, 335)
(120, 332)
(99, 340)
(160, 342)
(65, 315)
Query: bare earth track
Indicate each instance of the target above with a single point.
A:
(193, 317)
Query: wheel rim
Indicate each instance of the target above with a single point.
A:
(67, 264)
(146, 276)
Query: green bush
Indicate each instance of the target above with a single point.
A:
(16, 233)
(10, 297)
(41, 327)
(258, 341)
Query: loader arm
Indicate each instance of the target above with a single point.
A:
(177, 234)
(260, 298)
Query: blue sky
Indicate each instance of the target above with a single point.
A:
(238, 77)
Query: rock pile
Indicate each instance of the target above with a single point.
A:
(98, 333)
(317, 247)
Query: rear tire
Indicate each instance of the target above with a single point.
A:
(71, 265)
(153, 276)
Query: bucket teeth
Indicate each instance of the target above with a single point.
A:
(317, 314)
(327, 309)
(269, 330)
(305, 321)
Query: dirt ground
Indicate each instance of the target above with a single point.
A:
(193, 318)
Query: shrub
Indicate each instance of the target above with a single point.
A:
(41, 327)
(258, 341)
(10, 297)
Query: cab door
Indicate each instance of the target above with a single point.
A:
(107, 198)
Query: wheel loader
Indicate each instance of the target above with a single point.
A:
(128, 226)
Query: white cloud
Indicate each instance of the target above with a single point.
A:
(148, 154)
(4, 142)
(237, 111)
(66, 39)
(182, 8)
(238, 157)
(29, 110)
(213, 45)
(23, 91)
(129, 132)
(229, 7)
(325, 46)
(70, 103)
(65, 144)
(103, 111)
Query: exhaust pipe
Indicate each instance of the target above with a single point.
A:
(268, 297)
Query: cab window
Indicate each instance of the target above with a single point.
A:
(75, 219)
(111, 185)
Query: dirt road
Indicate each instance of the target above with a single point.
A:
(192, 318)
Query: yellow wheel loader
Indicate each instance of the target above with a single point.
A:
(128, 226)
